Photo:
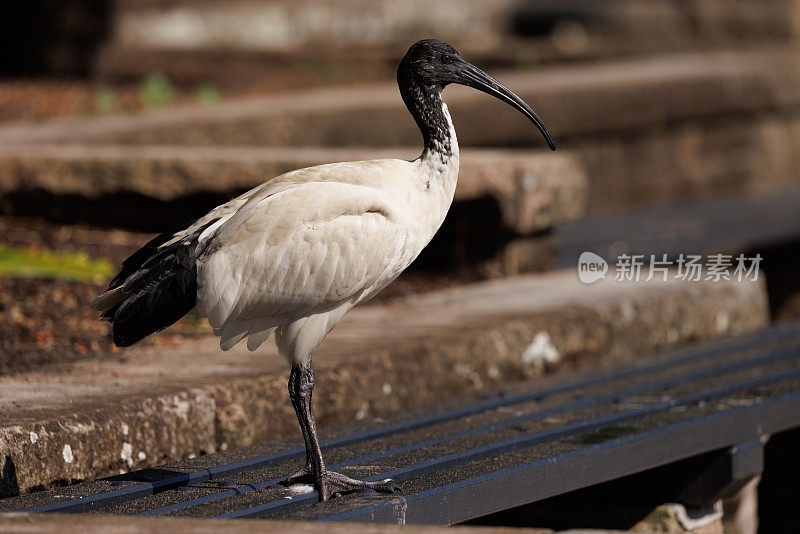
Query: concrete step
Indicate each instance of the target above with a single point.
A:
(145, 406)
(767, 225)
(575, 101)
(534, 191)
(89, 524)
(650, 131)
(654, 421)
(253, 43)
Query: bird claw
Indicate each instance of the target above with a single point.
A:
(333, 484)
(336, 484)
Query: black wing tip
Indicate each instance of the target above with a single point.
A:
(123, 342)
(160, 286)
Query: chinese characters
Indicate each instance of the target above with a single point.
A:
(687, 267)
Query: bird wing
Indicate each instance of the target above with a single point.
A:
(353, 173)
(298, 249)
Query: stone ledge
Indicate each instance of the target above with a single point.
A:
(369, 35)
(535, 190)
(649, 130)
(155, 404)
(107, 438)
(602, 98)
(91, 524)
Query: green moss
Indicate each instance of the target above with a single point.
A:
(156, 90)
(193, 320)
(37, 263)
(207, 94)
(105, 99)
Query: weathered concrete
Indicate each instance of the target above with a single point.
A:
(534, 190)
(285, 25)
(606, 98)
(107, 437)
(650, 131)
(192, 398)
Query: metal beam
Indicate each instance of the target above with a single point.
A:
(476, 497)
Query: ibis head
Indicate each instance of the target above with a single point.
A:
(434, 64)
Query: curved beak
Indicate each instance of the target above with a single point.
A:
(472, 76)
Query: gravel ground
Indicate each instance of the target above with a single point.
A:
(42, 99)
(51, 322)
(112, 244)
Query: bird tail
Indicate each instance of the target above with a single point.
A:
(156, 286)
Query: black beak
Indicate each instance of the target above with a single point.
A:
(474, 77)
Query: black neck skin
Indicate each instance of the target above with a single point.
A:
(425, 105)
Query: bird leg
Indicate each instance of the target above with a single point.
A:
(301, 387)
(327, 483)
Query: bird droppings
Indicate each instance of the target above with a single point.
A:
(66, 453)
(182, 406)
(628, 311)
(142, 456)
(723, 321)
(127, 454)
(476, 380)
(299, 489)
(125, 429)
(223, 446)
(529, 180)
(387, 388)
(34, 437)
(362, 412)
(673, 335)
(493, 372)
(540, 352)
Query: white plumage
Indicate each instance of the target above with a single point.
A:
(297, 252)
(294, 254)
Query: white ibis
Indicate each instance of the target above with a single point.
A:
(293, 255)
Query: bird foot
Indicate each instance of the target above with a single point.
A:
(333, 484)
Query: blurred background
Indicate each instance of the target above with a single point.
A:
(677, 122)
(127, 117)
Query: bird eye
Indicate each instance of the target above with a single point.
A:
(447, 58)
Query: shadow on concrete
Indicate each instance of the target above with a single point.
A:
(9, 484)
